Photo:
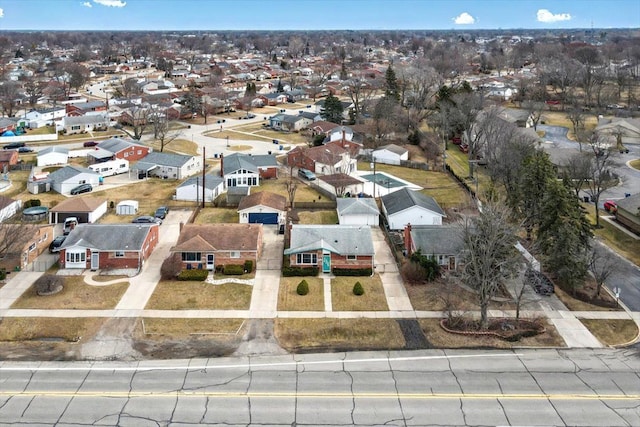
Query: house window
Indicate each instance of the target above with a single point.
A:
(351, 257)
(139, 152)
(191, 256)
(119, 254)
(32, 247)
(75, 127)
(126, 154)
(234, 254)
(76, 257)
(309, 258)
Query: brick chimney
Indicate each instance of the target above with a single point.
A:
(221, 165)
(407, 239)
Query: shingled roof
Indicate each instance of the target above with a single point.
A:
(263, 198)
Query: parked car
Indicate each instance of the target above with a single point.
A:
(540, 283)
(90, 144)
(25, 150)
(55, 245)
(146, 219)
(464, 148)
(610, 206)
(82, 188)
(306, 174)
(13, 145)
(162, 212)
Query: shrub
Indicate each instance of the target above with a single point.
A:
(358, 289)
(299, 271)
(248, 266)
(31, 203)
(3, 274)
(233, 269)
(171, 267)
(49, 284)
(303, 288)
(412, 272)
(196, 275)
(352, 271)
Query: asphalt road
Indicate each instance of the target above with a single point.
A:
(625, 277)
(530, 387)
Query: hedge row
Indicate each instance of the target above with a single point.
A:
(195, 274)
(352, 271)
(299, 271)
(461, 180)
(233, 270)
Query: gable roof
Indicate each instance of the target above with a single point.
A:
(329, 154)
(357, 206)
(210, 181)
(109, 237)
(115, 145)
(263, 198)
(338, 239)
(166, 159)
(630, 204)
(6, 201)
(237, 161)
(404, 198)
(396, 149)
(79, 204)
(222, 237)
(437, 239)
(53, 149)
(68, 172)
(86, 119)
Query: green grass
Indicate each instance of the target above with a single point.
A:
(318, 217)
(343, 298)
(182, 328)
(217, 216)
(175, 295)
(289, 300)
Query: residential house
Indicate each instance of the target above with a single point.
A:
(263, 208)
(323, 127)
(273, 98)
(9, 207)
(193, 188)
(407, 206)
(86, 209)
(110, 248)
(45, 116)
(53, 155)
(289, 122)
(82, 124)
(120, 148)
(442, 242)
(85, 108)
(206, 246)
(358, 211)
(241, 170)
(341, 184)
(331, 246)
(619, 130)
(628, 212)
(67, 178)
(391, 154)
(7, 124)
(169, 165)
(26, 243)
(8, 158)
(324, 159)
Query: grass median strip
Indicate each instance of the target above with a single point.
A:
(183, 327)
(175, 295)
(46, 328)
(612, 331)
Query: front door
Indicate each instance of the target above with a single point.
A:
(209, 261)
(452, 263)
(326, 263)
(95, 261)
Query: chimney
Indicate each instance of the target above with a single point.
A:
(181, 225)
(344, 134)
(407, 239)
(221, 165)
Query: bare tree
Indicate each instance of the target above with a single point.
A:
(601, 176)
(13, 238)
(33, 91)
(490, 258)
(137, 118)
(534, 108)
(577, 169)
(9, 96)
(360, 92)
(466, 110)
(163, 128)
(602, 264)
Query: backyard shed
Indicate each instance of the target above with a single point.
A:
(127, 207)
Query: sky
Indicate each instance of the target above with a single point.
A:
(188, 15)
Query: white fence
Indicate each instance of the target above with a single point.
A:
(29, 138)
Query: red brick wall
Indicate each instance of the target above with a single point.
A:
(132, 153)
(268, 173)
(223, 258)
(339, 261)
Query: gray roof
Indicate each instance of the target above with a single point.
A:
(69, 171)
(437, 239)
(357, 206)
(166, 159)
(404, 198)
(630, 204)
(116, 145)
(309, 115)
(339, 239)
(54, 149)
(108, 237)
(237, 161)
(393, 148)
(210, 181)
(86, 119)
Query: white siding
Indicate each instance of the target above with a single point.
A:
(193, 193)
(53, 159)
(413, 216)
(358, 220)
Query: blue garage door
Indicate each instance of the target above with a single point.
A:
(263, 218)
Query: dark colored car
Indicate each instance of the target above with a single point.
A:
(82, 188)
(54, 246)
(146, 219)
(539, 282)
(25, 150)
(13, 145)
(90, 144)
(162, 212)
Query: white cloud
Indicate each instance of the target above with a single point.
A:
(1, 13)
(87, 4)
(464, 19)
(545, 15)
(111, 3)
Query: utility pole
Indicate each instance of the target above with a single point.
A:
(204, 170)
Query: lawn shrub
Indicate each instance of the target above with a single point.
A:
(196, 275)
(3, 274)
(171, 267)
(299, 271)
(303, 288)
(352, 271)
(32, 203)
(248, 266)
(358, 289)
(233, 270)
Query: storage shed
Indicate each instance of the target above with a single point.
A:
(127, 207)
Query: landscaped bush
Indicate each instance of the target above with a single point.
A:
(32, 203)
(196, 275)
(352, 271)
(412, 272)
(233, 269)
(303, 288)
(3, 274)
(299, 271)
(358, 289)
(248, 266)
(171, 267)
(48, 284)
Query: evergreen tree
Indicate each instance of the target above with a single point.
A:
(392, 89)
(332, 110)
(280, 88)
(538, 175)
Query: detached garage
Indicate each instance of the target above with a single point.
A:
(86, 209)
(263, 208)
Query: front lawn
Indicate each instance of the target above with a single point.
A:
(177, 295)
(437, 295)
(289, 300)
(343, 299)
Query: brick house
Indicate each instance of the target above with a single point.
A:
(27, 242)
(116, 248)
(8, 158)
(442, 242)
(119, 148)
(206, 246)
(325, 159)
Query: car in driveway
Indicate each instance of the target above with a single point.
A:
(55, 245)
(146, 219)
(25, 150)
(161, 212)
(90, 144)
(82, 188)
(610, 206)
